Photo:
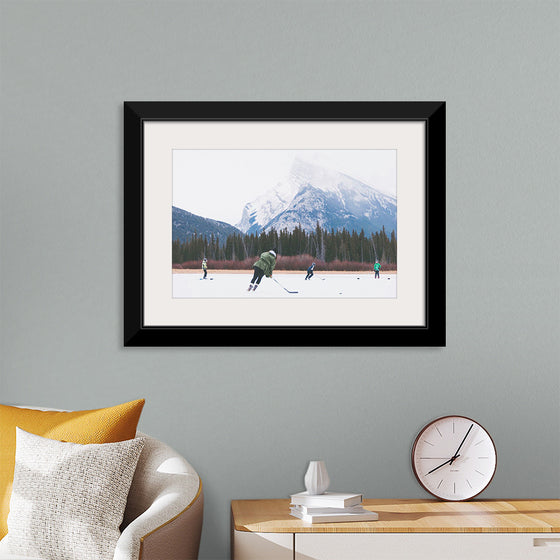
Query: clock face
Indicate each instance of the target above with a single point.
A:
(454, 458)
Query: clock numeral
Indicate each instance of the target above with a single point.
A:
(482, 474)
(440, 483)
(429, 443)
(468, 482)
(438, 432)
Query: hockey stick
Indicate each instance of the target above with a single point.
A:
(283, 286)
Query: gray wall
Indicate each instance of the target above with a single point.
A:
(250, 418)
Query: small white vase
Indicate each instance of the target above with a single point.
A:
(316, 478)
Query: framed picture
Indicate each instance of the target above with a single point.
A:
(284, 223)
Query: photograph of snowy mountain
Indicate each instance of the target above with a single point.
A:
(324, 221)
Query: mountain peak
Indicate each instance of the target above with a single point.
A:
(313, 193)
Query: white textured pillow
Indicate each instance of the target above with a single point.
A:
(68, 499)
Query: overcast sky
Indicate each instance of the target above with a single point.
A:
(218, 183)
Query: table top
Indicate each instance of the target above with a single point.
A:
(409, 516)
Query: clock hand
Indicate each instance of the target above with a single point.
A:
(461, 445)
(455, 456)
(439, 467)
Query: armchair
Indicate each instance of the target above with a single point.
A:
(163, 516)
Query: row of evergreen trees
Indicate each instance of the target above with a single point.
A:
(323, 245)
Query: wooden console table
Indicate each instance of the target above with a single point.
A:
(406, 529)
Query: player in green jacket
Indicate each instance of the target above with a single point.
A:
(376, 268)
(263, 267)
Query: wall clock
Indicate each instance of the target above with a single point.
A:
(454, 458)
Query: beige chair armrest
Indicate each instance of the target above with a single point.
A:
(163, 517)
(177, 538)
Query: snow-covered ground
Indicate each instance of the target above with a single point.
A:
(224, 285)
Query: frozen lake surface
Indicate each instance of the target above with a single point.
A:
(332, 285)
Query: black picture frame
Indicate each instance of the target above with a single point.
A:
(432, 333)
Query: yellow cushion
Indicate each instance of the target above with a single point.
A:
(103, 425)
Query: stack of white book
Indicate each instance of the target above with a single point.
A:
(330, 507)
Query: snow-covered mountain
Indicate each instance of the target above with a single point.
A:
(265, 207)
(311, 194)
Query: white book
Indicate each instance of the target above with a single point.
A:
(312, 509)
(365, 515)
(327, 499)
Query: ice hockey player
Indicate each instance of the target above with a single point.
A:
(204, 267)
(310, 272)
(263, 267)
(376, 268)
